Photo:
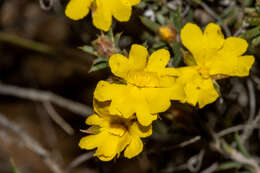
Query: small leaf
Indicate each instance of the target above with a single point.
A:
(250, 34)
(99, 66)
(229, 165)
(176, 48)
(149, 24)
(240, 146)
(256, 41)
(13, 166)
(89, 50)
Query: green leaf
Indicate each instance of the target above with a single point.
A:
(89, 49)
(175, 17)
(13, 166)
(99, 66)
(229, 165)
(250, 34)
(240, 146)
(256, 41)
(176, 48)
(150, 24)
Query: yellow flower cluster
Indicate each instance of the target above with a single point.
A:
(125, 110)
(102, 11)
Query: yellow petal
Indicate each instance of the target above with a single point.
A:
(214, 39)
(134, 148)
(137, 57)
(200, 91)
(234, 46)
(158, 99)
(232, 65)
(141, 131)
(244, 65)
(119, 65)
(105, 90)
(77, 9)
(109, 147)
(94, 119)
(124, 141)
(158, 60)
(120, 10)
(92, 141)
(192, 39)
(133, 2)
(102, 17)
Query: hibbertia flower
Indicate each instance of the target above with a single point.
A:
(102, 11)
(214, 58)
(112, 134)
(148, 86)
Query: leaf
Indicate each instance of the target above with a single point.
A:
(256, 41)
(88, 49)
(250, 34)
(229, 165)
(13, 166)
(176, 48)
(99, 66)
(175, 17)
(150, 24)
(240, 146)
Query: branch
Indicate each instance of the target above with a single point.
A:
(44, 96)
(31, 144)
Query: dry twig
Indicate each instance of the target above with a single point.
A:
(31, 144)
(57, 118)
(44, 96)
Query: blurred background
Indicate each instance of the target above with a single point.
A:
(47, 84)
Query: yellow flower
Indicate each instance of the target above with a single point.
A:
(148, 89)
(102, 11)
(214, 56)
(113, 134)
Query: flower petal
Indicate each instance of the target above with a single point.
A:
(158, 99)
(214, 39)
(192, 37)
(105, 91)
(200, 91)
(77, 9)
(94, 119)
(120, 10)
(133, 2)
(234, 46)
(158, 60)
(102, 17)
(141, 131)
(119, 65)
(108, 147)
(134, 148)
(92, 141)
(137, 57)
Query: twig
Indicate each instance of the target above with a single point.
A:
(194, 163)
(25, 43)
(252, 106)
(223, 148)
(79, 160)
(215, 16)
(44, 96)
(211, 169)
(31, 144)
(57, 118)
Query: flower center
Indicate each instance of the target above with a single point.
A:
(143, 79)
(204, 72)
